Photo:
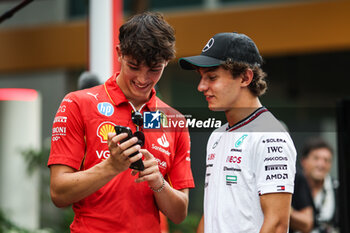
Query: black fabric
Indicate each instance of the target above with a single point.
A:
(302, 197)
(228, 45)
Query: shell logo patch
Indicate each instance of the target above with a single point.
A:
(103, 129)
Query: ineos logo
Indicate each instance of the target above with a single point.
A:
(233, 159)
(208, 45)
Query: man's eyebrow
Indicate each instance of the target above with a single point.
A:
(132, 63)
(156, 66)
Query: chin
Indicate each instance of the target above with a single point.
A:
(212, 108)
(319, 177)
(144, 94)
(216, 108)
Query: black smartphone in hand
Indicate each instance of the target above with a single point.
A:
(122, 129)
(138, 165)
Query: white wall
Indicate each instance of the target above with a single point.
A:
(20, 129)
(100, 34)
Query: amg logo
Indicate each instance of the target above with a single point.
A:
(232, 169)
(236, 150)
(277, 176)
(275, 167)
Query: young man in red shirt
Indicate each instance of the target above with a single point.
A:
(90, 165)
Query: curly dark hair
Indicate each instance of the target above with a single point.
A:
(148, 38)
(258, 86)
(314, 144)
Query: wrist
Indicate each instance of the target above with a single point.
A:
(159, 189)
(109, 168)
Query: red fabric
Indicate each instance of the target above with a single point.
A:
(164, 226)
(121, 205)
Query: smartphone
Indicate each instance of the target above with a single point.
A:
(138, 165)
(122, 129)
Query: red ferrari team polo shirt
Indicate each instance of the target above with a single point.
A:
(79, 140)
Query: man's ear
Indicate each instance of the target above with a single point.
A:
(119, 52)
(247, 77)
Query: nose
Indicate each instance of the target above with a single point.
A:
(202, 86)
(142, 77)
(323, 164)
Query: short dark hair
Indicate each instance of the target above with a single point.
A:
(258, 86)
(314, 144)
(148, 38)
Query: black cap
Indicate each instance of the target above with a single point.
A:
(238, 47)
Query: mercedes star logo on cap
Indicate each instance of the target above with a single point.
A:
(208, 45)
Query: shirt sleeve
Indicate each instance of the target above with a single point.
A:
(67, 141)
(180, 174)
(275, 167)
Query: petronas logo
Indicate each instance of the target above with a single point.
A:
(240, 140)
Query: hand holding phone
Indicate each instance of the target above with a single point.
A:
(138, 165)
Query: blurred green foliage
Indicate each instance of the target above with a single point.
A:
(189, 225)
(6, 226)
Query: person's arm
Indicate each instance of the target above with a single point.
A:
(301, 216)
(173, 203)
(68, 185)
(276, 209)
(200, 228)
(302, 220)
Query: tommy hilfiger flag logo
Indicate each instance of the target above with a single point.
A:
(281, 188)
